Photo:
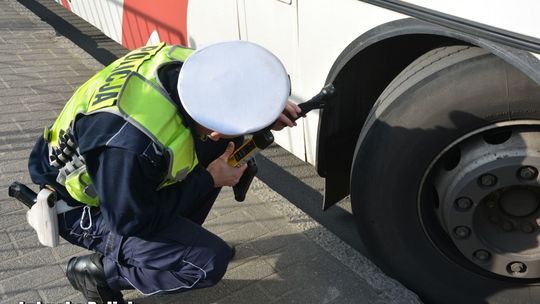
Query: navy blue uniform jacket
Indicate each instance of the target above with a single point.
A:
(126, 171)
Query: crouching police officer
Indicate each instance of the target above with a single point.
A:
(142, 147)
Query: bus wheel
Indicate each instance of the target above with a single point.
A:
(444, 183)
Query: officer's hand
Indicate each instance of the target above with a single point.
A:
(222, 173)
(291, 110)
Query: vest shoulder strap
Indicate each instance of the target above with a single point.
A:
(114, 76)
(179, 53)
(142, 112)
(156, 115)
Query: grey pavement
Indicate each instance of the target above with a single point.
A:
(283, 255)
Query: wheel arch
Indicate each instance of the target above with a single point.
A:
(364, 69)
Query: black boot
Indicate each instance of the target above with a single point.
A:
(86, 274)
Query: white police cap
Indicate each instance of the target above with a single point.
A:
(234, 87)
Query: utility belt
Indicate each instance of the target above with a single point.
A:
(43, 213)
(72, 172)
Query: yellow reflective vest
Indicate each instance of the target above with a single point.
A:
(129, 88)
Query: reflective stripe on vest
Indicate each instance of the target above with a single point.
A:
(125, 88)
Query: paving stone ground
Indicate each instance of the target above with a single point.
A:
(283, 256)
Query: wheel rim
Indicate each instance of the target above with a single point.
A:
(486, 201)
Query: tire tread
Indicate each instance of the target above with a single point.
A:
(424, 66)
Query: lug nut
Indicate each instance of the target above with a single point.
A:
(516, 268)
(487, 180)
(507, 226)
(462, 232)
(527, 227)
(528, 173)
(482, 255)
(463, 203)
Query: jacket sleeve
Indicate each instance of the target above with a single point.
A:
(126, 183)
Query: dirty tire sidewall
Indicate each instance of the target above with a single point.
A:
(442, 96)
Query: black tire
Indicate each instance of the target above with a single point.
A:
(443, 95)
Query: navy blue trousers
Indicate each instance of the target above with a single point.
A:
(181, 257)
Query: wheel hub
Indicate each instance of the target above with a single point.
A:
(489, 199)
(519, 202)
